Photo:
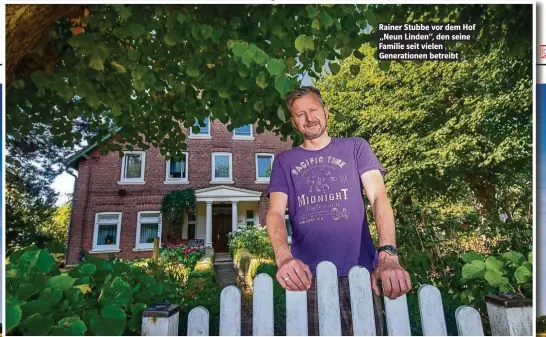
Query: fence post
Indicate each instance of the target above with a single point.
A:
(161, 319)
(156, 249)
(510, 315)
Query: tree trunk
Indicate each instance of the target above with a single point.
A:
(26, 37)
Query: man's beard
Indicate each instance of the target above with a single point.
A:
(311, 135)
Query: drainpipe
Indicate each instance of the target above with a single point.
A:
(71, 211)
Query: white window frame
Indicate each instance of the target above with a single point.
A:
(262, 180)
(222, 180)
(147, 246)
(287, 217)
(201, 136)
(244, 137)
(140, 180)
(106, 248)
(169, 180)
(194, 223)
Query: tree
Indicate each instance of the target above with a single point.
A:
(57, 227)
(148, 68)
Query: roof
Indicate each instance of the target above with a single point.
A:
(74, 159)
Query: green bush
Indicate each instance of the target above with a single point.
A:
(252, 239)
(97, 297)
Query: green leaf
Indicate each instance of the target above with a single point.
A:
(206, 31)
(261, 57)
(181, 18)
(51, 296)
(96, 63)
(334, 67)
(315, 24)
(492, 263)
(37, 325)
(139, 85)
(304, 43)
(63, 282)
(136, 29)
(358, 54)
(384, 65)
(355, 69)
(13, 315)
(495, 278)
(326, 19)
(259, 106)
(84, 288)
(473, 270)
(133, 55)
(170, 38)
(312, 11)
(522, 274)
(248, 57)
(281, 113)
(116, 111)
(192, 71)
(239, 48)
(471, 256)
(87, 268)
(111, 322)
(118, 292)
(135, 323)
(516, 258)
(69, 326)
(530, 257)
(261, 80)
(40, 79)
(283, 84)
(275, 67)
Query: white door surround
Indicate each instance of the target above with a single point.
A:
(223, 194)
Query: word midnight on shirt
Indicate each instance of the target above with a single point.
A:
(309, 200)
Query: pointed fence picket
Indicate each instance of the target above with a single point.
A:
(396, 311)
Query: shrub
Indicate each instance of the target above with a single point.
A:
(252, 239)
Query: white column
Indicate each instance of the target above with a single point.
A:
(234, 216)
(208, 232)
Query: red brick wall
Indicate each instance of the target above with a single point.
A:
(98, 191)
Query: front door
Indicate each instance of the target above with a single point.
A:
(221, 227)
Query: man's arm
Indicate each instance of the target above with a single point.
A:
(292, 274)
(395, 279)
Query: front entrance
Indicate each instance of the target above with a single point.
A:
(221, 227)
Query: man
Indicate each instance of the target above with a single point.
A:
(321, 183)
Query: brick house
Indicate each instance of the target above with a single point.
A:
(117, 200)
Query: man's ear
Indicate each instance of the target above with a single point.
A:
(326, 110)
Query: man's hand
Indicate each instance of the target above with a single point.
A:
(396, 280)
(294, 275)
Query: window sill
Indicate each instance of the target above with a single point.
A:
(199, 137)
(221, 182)
(123, 182)
(176, 182)
(137, 249)
(261, 182)
(243, 138)
(104, 250)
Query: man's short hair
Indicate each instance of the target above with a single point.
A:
(300, 92)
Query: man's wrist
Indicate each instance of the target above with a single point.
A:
(283, 257)
(386, 257)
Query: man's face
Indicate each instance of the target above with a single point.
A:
(309, 117)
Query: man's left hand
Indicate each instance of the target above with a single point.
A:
(395, 279)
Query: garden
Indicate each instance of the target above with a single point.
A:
(104, 297)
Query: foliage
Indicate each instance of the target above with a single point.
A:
(29, 201)
(97, 297)
(252, 239)
(173, 207)
(175, 256)
(541, 324)
(510, 272)
(57, 227)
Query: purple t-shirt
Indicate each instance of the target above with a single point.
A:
(325, 202)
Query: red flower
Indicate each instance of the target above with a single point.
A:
(163, 245)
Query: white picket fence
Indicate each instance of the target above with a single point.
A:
(396, 311)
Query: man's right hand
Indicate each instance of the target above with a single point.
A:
(294, 275)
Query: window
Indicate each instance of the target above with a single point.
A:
(148, 228)
(107, 231)
(191, 226)
(221, 167)
(177, 171)
(264, 161)
(132, 167)
(204, 132)
(243, 132)
(250, 218)
(288, 226)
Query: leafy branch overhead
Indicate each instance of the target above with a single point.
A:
(151, 69)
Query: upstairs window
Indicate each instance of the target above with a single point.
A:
(243, 132)
(177, 171)
(264, 161)
(132, 167)
(204, 132)
(222, 169)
